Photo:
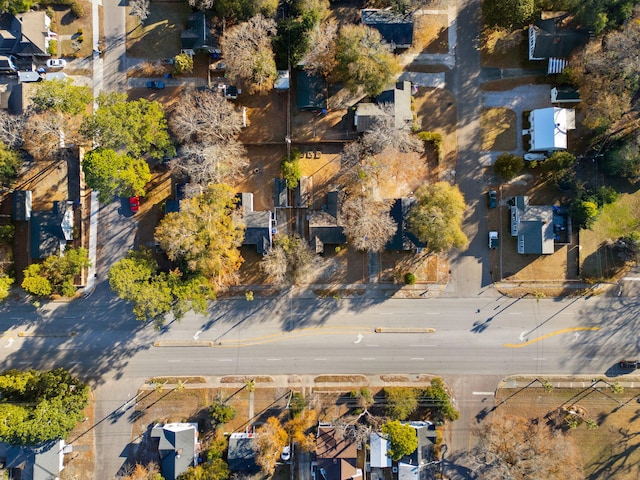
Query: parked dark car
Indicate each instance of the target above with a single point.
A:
(155, 85)
(628, 364)
(492, 199)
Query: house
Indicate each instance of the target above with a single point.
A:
(177, 447)
(42, 462)
(50, 230)
(311, 91)
(532, 225)
(395, 28)
(280, 193)
(324, 226)
(549, 127)
(394, 101)
(26, 35)
(420, 465)
(403, 239)
(259, 224)
(378, 446)
(336, 455)
(197, 37)
(565, 95)
(8, 64)
(549, 40)
(241, 456)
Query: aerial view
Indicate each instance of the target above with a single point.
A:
(319, 239)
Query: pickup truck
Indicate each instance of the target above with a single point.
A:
(493, 240)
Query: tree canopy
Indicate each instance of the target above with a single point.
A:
(402, 438)
(253, 63)
(367, 222)
(508, 13)
(508, 165)
(56, 273)
(137, 127)
(364, 60)
(10, 163)
(136, 279)
(39, 406)
(289, 260)
(112, 173)
(205, 235)
(437, 217)
(271, 437)
(401, 402)
(62, 96)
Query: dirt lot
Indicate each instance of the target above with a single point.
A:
(431, 34)
(559, 266)
(159, 36)
(80, 462)
(610, 451)
(498, 126)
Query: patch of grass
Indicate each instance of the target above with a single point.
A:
(498, 126)
(431, 34)
(243, 379)
(340, 379)
(176, 380)
(159, 35)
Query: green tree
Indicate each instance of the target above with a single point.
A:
(623, 160)
(442, 407)
(62, 96)
(508, 165)
(293, 38)
(56, 273)
(583, 212)
(437, 217)
(364, 60)
(136, 279)
(401, 402)
(557, 164)
(39, 406)
(112, 174)
(205, 235)
(221, 413)
(402, 438)
(603, 14)
(290, 167)
(138, 127)
(508, 13)
(10, 163)
(5, 284)
(183, 64)
(217, 469)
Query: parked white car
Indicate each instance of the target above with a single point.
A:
(538, 157)
(56, 63)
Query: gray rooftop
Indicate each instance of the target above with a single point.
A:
(176, 447)
(241, 456)
(533, 227)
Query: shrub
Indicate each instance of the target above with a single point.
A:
(583, 212)
(409, 278)
(606, 195)
(77, 9)
(443, 407)
(6, 233)
(508, 165)
(50, 12)
(297, 404)
(221, 413)
(52, 49)
(182, 63)
(291, 169)
(435, 138)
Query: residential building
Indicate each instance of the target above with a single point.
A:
(42, 462)
(565, 95)
(241, 456)
(533, 226)
(420, 465)
(197, 37)
(336, 455)
(394, 101)
(259, 225)
(396, 28)
(403, 239)
(311, 91)
(549, 128)
(550, 40)
(178, 447)
(26, 35)
(325, 227)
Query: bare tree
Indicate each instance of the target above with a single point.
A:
(205, 117)
(367, 222)
(252, 63)
(202, 4)
(11, 128)
(321, 57)
(139, 8)
(289, 260)
(517, 449)
(384, 134)
(217, 163)
(42, 135)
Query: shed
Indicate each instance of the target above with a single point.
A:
(282, 82)
(565, 95)
(311, 91)
(379, 446)
(549, 127)
(280, 193)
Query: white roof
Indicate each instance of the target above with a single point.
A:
(379, 446)
(549, 127)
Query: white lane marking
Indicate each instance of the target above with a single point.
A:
(360, 337)
(417, 358)
(484, 394)
(423, 345)
(515, 313)
(371, 345)
(174, 361)
(432, 313)
(538, 358)
(273, 359)
(10, 342)
(197, 334)
(320, 359)
(368, 358)
(225, 360)
(385, 313)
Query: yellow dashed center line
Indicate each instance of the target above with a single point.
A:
(557, 332)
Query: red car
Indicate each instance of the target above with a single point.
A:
(134, 204)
